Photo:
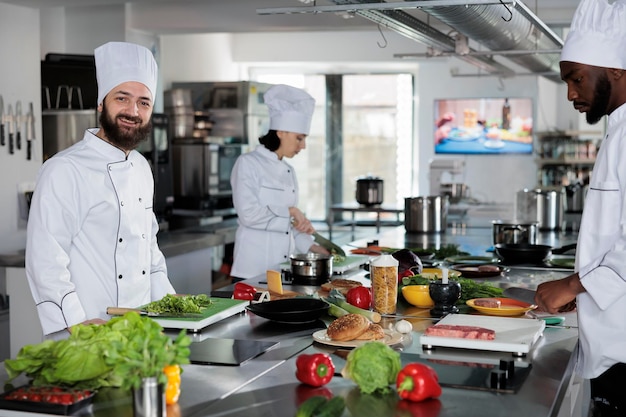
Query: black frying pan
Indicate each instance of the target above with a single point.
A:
(525, 253)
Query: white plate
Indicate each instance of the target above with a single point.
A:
(391, 338)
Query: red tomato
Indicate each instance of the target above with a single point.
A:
(360, 297)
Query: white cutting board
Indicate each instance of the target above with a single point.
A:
(516, 335)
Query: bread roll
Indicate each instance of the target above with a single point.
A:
(347, 327)
(373, 332)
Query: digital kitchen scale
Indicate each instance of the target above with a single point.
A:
(227, 351)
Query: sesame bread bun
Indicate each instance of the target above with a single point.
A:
(373, 332)
(347, 327)
(341, 284)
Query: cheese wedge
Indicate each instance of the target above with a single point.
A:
(274, 281)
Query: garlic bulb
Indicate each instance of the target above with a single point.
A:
(404, 326)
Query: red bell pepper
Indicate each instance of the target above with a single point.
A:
(360, 297)
(244, 291)
(315, 370)
(417, 382)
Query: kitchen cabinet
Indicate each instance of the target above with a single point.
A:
(566, 157)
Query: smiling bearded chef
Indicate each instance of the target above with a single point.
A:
(91, 238)
(593, 64)
(265, 189)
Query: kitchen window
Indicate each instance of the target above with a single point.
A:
(362, 125)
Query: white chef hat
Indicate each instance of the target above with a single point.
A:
(291, 109)
(120, 62)
(598, 34)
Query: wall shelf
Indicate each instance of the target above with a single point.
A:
(566, 157)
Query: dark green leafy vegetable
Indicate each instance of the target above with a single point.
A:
(373, 366)
(179, 304)
(447, 251)
(118, 353)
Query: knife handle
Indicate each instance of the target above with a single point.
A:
(18, 140)
(11, 143)
(120, 311)
(29, 150)
(2, 142)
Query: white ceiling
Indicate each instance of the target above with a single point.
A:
(210, 16)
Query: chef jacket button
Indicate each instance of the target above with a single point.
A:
(143, 236)
(143, 272)
(121, 203)
(110, 168)
(119, 276)
(140, 199)
(121, 240)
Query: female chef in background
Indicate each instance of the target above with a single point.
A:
(265, 189)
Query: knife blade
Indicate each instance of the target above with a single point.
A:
(119, 311)
(10, 127)
(18, 124)
(332, 248)
(520, 294)
(1, 120)
(30, 131)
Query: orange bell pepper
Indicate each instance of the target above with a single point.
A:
(172, 390)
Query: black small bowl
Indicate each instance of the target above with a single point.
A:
(290, 310)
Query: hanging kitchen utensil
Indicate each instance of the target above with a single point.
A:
(2, 121)
(10, 127)
(18, 124)
(30, 131)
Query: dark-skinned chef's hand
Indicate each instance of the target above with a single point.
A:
(559, 295)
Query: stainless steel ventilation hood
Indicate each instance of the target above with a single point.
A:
(474, 31)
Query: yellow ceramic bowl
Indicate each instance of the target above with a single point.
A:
(418, 296)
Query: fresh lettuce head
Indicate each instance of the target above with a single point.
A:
(374, 366)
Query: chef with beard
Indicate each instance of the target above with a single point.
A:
(91, 237)
(593, 64)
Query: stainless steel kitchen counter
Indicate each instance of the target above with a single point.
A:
(266, 385)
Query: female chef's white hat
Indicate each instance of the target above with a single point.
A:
(598, 34)
(291, 109)
(120, 62)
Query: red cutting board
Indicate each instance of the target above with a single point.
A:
(516, 335)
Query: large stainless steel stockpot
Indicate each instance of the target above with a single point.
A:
(427, 214)
(311, 268)
(515, 232)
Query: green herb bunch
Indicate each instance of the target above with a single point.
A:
(119, 353)
(179, 304)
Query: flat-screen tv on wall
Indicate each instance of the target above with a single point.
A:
(483, 125)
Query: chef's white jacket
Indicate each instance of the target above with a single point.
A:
(264, 187)
(601, 256)
(91, 235)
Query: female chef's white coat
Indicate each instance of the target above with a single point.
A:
(264, 187)
(601, 256)
(91, 238)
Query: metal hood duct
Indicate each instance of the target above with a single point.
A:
(506, 28)
(487, 25)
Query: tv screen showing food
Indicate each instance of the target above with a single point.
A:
(484, 126)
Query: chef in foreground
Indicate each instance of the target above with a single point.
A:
(593, 64)
(91, 237)
(265, 189)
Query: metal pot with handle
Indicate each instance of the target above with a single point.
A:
(311, 268)
(515, 232)
(369, 191)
